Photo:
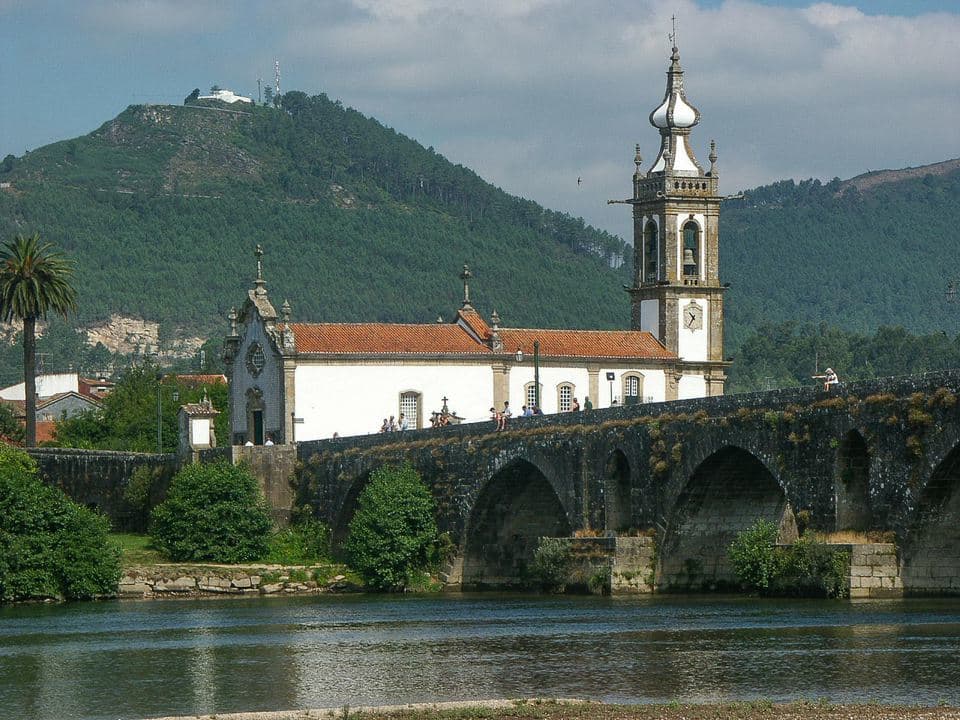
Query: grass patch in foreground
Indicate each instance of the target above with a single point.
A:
(751, 710)
(136, 549)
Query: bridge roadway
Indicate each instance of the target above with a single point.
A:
(882, 455)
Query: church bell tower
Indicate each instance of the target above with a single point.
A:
(676, 293)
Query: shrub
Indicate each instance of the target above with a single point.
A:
(753, 556)
(50, 547)
(393, 533)
(212, 513)
(551, 564)
(811, 569)
(807, 568)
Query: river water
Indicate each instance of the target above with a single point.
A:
(140, 659)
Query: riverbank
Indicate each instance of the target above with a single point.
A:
(184, 580)
(580, 710)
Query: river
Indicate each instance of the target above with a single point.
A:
(140, 659)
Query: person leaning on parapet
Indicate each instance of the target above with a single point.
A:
(404, 423)
(829, 378)
(587, 405)
(574, 405)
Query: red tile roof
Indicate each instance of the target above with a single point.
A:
(444, 339)
(384, 338)
(475, 322)
(586, 343)
(199, 379)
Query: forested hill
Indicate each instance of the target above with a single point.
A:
(162, 206)
(877, 250)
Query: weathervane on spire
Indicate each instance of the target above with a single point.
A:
(465, 276)
(673, 35)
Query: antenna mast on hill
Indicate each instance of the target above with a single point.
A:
(276, 74)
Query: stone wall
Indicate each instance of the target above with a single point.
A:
(157, 581)
(874, 571)
(619, 565)
(99, 480)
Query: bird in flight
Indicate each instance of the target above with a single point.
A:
(579, 181)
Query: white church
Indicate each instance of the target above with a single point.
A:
(295, 381)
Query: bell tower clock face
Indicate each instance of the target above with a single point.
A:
(692, 317)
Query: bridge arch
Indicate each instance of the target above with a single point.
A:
(511, 511)
(930, 562)
(852, 483)
(340, 527)
(617, 497)
(726, 493)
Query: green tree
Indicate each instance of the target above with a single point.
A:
(10, 427)
(50, 547)
(128, 418)
(34, 281)
(753, 555)
(212, 513)
(393, 532)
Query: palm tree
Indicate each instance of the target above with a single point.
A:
(34, 280)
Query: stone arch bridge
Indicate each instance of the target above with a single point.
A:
(874, 456)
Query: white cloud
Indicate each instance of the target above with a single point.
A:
(534, 94)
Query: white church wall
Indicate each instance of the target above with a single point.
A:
(691, 386)
(354, 398)
(654, 385)
(550, 379)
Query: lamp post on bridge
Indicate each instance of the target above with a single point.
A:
(536, 371)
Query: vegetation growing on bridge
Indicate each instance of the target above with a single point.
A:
(807, 568)
(50, 547)
(393, 535)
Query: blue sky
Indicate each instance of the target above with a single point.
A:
(532, 94)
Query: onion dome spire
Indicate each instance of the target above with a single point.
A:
(674, 117)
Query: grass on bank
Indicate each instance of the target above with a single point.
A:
(751, 710)
(136, 549)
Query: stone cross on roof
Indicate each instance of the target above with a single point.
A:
(465, 276)
(261, 285)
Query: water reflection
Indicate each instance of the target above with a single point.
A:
(125, 660)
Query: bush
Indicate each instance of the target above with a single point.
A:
(753, 555)
(304, 542)
(393, 534)
(812, 569)
(50, 547)
(805, 569)
(551, 564)
(212, 513)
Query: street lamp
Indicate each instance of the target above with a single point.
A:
(536, 374)
(610, 377)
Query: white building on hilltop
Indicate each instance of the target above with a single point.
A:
(227, 96)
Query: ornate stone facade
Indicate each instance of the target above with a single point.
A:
(677, 294)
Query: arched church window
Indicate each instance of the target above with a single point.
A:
(650, 249)
(565, 396)
(632, 388)
(691, 248)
